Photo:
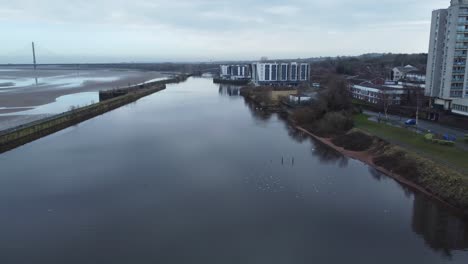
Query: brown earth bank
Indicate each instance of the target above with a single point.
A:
(437, 181)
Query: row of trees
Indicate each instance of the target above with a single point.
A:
(331, 113)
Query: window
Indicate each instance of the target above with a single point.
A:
(461, 108)
(303, 72)
(284, 72)
(267, 72)
(293, 72)
(274, 72)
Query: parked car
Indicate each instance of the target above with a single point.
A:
(410, 122)
(450, 137)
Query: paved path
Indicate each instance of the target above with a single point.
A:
(7, 122)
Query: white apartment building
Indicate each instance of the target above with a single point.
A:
(235, 72)
(280, 73)
(447, 73)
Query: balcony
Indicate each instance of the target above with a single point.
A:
(463, 13)
(462, 39)
(458, 71)
(457, 88)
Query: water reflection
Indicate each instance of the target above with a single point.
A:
(324, 153)
(231, 190)
(328, 155)
(441, 230)
(257, 113)
(61, 104)
(229, 90)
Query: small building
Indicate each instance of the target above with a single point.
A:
(377, 94)
(460, 107)
(302, 98)
(316, 85)
(399, 73)
(416, 76)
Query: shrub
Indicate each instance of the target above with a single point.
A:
(443, 142)
(429, 137)
(334, 123)
(354, 141)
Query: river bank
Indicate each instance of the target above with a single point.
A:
(331, 126)
(369, 156)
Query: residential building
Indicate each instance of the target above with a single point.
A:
(377, 94)
(399, 73)
(273, 73)
(235, 72)
(447, 81)
(414, 79)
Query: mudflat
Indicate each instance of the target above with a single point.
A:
(23, 88)
(34, 88)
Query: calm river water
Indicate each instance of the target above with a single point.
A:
(194, 174)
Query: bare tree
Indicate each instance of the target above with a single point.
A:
(415, 97)
(385, 100)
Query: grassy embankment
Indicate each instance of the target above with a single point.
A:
(451, 156)
(429, 176)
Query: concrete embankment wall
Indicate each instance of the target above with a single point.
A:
(232, 82)
(109, 94)
(21, 135)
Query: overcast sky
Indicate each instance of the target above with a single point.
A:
(205, 30)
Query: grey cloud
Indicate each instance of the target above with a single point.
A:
(221, 28)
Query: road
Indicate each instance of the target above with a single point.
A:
(422, 126)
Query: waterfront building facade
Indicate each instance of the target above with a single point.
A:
(273, 73)
(235, 72)
(447, 73)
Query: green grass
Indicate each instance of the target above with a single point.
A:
(450, 155)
